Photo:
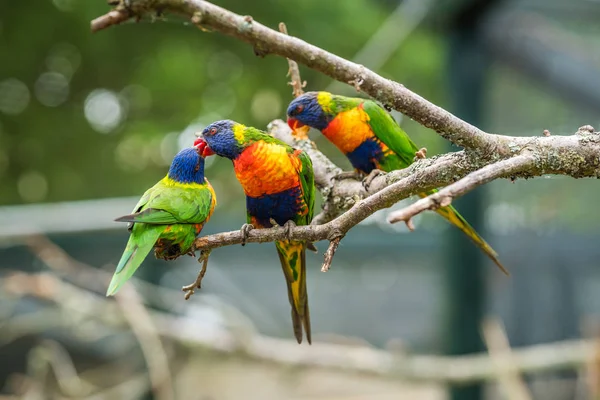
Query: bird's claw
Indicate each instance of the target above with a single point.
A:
(274, 223)
(369, 178)
(289, 225)
(245, 230)
(347, 175)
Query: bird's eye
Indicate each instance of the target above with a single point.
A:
(213, 131)
(299, 108)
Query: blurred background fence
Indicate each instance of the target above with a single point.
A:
(86, 119)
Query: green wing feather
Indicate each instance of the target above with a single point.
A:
(307, 181)
(391, 134)
(141, 241)
(165, 204)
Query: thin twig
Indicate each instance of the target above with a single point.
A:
(50, 353)
(114, 17)
(143, 328)
(293, 71)
(591, 330)
(500, 354)
(197, 284)
(445, 196)
(333, 245)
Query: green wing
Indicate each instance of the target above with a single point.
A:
(389, 132)
(307, 180)
(166, 204)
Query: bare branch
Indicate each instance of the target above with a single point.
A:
(144, 329)
(501, 356)
(114, 17)
(444, 197)
(265, 41)
(197, 284)
(293, 72)
(555, 154)
(333, 245)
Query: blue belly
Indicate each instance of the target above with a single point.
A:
(364, 157)
(282, 207)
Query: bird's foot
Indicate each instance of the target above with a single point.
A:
(348, 175)
(190, 289)
(289, 225)
(245, 230)
(192, 252)
(369, 178)
(165, 254)
(421, 154)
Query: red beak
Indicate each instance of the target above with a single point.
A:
(294, 123)
(203, 148)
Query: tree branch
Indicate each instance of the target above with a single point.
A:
(576, 156)
(444, 197)
(268, 41)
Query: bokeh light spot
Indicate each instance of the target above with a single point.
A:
(225, 65)
(14, 96)
(64, 58)
(219, 98)
(138, 97)
(168, 147)
(32, 186)
(130, 155)
(503, 218)
(63, 5)
(52, 89)
(266, 105)
(103, 110)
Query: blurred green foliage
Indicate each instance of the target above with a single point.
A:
(100, 115)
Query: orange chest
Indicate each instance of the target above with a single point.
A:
(266, 168)
(349, 129)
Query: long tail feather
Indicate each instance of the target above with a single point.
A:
(138, 247)
(293, 262)
(452, 216)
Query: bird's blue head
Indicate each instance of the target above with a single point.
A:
(224, 138)
(187, 166)
(312, 109)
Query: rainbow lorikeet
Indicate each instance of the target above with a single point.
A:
(279, 185)
(168, 217)
(372, 140)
